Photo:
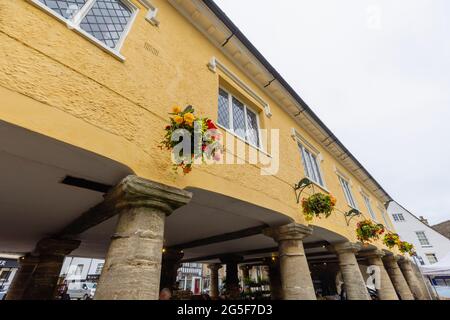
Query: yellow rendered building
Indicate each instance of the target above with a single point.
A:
(86, 87)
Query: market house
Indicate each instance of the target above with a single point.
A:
(84, 107)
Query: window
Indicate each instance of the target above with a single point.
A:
(238, 118)
(422, 263)
(4, 276)
(347, 191)
(431, 258)
(99, 268)
(398, 217)
(106, 21)
(369, 206)
(311, 165)
(422, 238)
(79, 270)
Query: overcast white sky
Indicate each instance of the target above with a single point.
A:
(377, 72)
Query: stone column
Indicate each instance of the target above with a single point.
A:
(27, 265)
(295, 275)
(38, 275)
(411, 279)
(385, 289)
(397, 278)
(133, 264)
(354, 284)
(276, 289)
(233, 291)
(214, 280)
(169, 269)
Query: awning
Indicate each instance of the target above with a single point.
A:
(441, 268)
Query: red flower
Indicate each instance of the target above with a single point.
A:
(211, 125)
(168, 128)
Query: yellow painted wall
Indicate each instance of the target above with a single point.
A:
(55, 82)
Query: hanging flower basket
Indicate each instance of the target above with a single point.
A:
(406, 247)
(317, 205)
(184, 123)
(391, 240)
(367, 231)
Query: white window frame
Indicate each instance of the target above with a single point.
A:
(428, 258)
(231, 120)
(398, 217)
(99, 268)
(352, 198)
(425, 238)
(368, 204)
(74, 24)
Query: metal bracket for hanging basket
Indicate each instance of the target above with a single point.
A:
(351, 214)
(299, 187)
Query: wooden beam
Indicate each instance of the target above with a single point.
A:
(318, 244)
(319, 254)
(241, 253)
(245, 233)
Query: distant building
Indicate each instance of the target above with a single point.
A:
(81, 269)
(191, 277)
(443, 228)
(431, 246)
(8, 268)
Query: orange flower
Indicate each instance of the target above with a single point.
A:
(178, 119)
(187, 170)
(333, 200)
(176, 109)
(189, 118)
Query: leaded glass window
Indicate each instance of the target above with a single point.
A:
(311, 165)
(238, 118)
(65, 8)
(104, 20)
(347, 191)
(252, 128)
(224, 112)
(369, 206)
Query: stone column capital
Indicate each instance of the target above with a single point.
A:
(293, 231)
(134, 191)
(372, 254)
(345, 247)
(56, 247)
(390, 257)
(403, 260)
(215, 267)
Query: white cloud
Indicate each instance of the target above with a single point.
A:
(378, 74)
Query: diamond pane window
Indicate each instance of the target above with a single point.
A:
(65, 8)
(103, 20)
(106, 21)
(347, 191)
(252, 128)
(224, 109)
(369, 206)
(311, 165)
(238, 118)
